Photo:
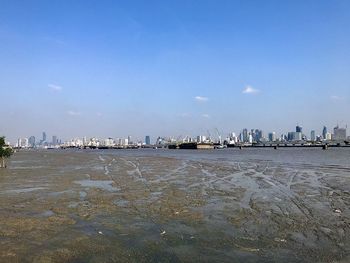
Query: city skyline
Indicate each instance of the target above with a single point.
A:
(336, 133)
(162, 68)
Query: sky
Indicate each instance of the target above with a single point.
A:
(172, 68)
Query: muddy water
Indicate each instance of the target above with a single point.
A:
(251, 205)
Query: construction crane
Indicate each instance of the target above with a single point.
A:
(219, 135)
(209, 135)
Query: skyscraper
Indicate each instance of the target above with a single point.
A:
(339, 133)
(313, 136)
(324, 132)
(299, 129)
(258, 135)
(54, 140)
(272, 136)
(245, 135)
(31, 141)
(147, 140)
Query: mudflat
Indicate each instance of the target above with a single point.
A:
(256, 205)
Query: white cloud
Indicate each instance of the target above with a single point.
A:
(73, 113)
(335, 97)
(54, 87)
(205, 115)
(184, 115)
(201, 99)
(250, 90)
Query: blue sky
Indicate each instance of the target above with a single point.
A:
(113, 68)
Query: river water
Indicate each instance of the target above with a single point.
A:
(230, 205)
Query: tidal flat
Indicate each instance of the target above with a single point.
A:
(251, 205)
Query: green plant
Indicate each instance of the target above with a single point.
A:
(5, 152)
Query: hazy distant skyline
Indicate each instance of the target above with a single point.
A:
(169, 68)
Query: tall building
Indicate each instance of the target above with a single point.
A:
(54, 140)
(294, 136)
(258, 135)
(339, 133)
(299, 129)
(147, 140)
(272, 136)
(43, 140)
(31, 141)
(324, 132)
(313, 136)
(22, 143)
(245, 135)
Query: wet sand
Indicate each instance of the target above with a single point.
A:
(164, 206)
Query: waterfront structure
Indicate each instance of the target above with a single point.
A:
(109, 142)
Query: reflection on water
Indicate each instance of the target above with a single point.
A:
(250, 205)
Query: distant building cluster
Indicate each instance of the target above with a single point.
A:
(257, 136)
(32, 142)
(107, 143)
(246, 136)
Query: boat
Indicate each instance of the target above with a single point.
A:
(188, 145)
(172, 146)
(205, 146)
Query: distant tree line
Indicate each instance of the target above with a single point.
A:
(5, 152)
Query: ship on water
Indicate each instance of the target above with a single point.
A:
(195, 145)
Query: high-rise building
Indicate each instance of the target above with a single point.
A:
(201, 138)
(272, 136)
(245, 135)
(54, 140)
(22, 143)
(31, 141)
(294, 136)
(258, 135)
(313, 136)
(250, 138)
(324, 132)
(298, 129)
(147, 140)
(339, 133)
